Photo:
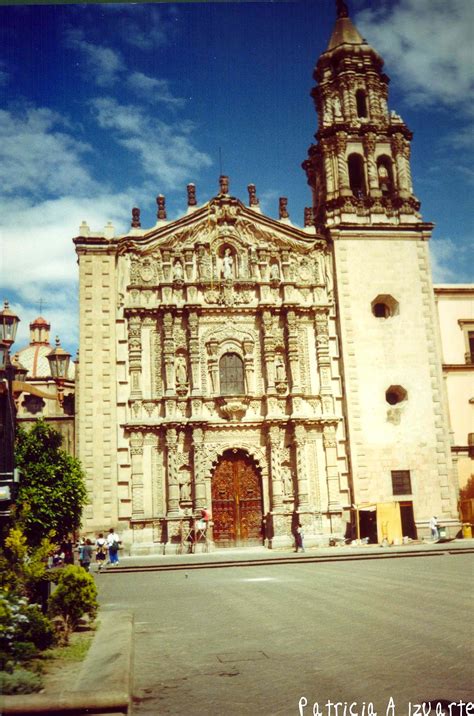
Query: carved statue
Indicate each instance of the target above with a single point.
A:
(161, 207)
(280, 371)
(336, 103)
(224, 184)
(227, 265)
(136, 218)
(185, 490)
(283, 210)
(287, 481)
(191, 195)
(178, 271)
(274, 271)
(253, 201)
(181, 372)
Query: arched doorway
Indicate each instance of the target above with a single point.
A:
(237, 508)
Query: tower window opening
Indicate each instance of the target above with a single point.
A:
(385, 174)
(381, 310)
(357, 175)
(361, 102)
(395, 394)
(231, 374)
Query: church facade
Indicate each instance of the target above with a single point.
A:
(271, 374)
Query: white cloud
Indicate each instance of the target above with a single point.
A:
(104, 64)
(38, 156)
(428, 45)
(451, 261)
(154, 90)
(165, 151)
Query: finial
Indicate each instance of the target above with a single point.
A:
(253, 201)
(308, 216)
(283, 203)
(161, 213)
(341, 9)
(135, 218)
(191, 194)
(223, 184)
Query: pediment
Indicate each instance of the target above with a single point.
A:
(223, 221)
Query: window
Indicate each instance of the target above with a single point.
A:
(385, 174)
(384, 306)
(395, 394)
(356, 175)
(231, 374)
(401, 482)
(361, 102)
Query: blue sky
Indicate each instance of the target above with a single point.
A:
(106, 106)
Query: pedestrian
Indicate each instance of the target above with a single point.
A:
(434, 528)
(101, 550)
(113, 543)
(299, 537)
(85, 556)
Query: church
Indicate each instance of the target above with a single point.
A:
(270, 374)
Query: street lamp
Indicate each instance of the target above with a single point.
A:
(8, 327)
(59, 360)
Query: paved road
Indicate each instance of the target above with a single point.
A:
(260, 640)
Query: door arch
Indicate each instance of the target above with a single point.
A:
(237, 505)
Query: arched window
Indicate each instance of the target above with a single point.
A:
(361, 102)
(385, 174)
(356, 175)
(231, 374)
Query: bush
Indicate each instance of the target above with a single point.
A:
(23, 630)
(38, 629)
(20, 681)
(75, 595)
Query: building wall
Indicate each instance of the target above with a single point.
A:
(455, 306)
(401, 351)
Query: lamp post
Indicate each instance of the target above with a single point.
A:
(8, 327)
(59, 360)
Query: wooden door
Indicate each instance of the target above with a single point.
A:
(236, 501)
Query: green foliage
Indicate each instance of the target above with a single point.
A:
(75, 595)
(22, 568)
(20, 681)
(52, 492)
(23, 630)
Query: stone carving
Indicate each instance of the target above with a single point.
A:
(283, 208)
(336, 104)
(253, 201)
(135, 218)
(274, 271)
(177, 270)
(223, 184)
(227, 265)
(191, 195)
(181, 372)
(161, 208)
(185, 488)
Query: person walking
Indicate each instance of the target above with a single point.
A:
(113, 543)
(434, 528)
(101, 550)
(299, 538)
(86, 554)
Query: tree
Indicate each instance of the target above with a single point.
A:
(52, 491)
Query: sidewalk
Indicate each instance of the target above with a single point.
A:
(254, 556)
(104, 679)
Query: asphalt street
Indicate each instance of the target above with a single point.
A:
(289, 638)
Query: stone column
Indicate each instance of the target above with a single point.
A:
(136, 459)
(293, 351)
(169, 353)
(199, 477)
(324, 360)
(299, 443)
(193, 325)
(269, 350)
(332, 472)
(406, 151)
(274, 438)
(135, 355)
(172, 473)
(212, 365)
(369, 150)
(342, 168)
(400, 163)
(249, 367)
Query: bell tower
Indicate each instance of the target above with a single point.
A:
(397, 429)
(359, 170)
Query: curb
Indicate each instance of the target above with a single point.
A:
(104, 682)
(217, 563)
